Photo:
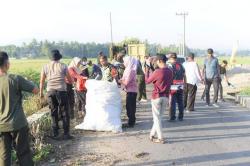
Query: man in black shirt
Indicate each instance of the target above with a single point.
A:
(223, 74)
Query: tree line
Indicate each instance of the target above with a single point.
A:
(39, 49)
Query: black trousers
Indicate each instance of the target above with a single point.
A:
(177, 97)
(189, 96)
(19, 140)
(58, 104)
(71, 99)
(215, 83)
(131, 107)
(220, 90)
(81, 101)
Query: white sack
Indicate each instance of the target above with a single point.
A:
(103, 107)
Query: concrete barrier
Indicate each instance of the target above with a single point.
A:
(39, 124)
(243, 100)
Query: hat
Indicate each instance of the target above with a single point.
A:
(56, 55)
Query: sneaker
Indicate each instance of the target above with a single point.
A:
(171, 120)
(222, 100)
(216, 105)
(181, 119)
(67, 137)
(127, 126)
(144, 100)
(55, 136)
(159, 141)
(208, 105)
(187, 111)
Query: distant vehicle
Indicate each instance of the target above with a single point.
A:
(181, 59)
(137, 50)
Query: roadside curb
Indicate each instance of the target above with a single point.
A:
(39, 124)
(37, 116)
(243, 100)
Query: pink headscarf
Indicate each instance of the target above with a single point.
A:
(130, 64)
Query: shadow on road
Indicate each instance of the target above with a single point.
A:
(200, 159)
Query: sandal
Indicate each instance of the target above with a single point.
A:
(161, 141)
(152, 138)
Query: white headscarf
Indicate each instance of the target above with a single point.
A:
(130, 64)
(74, 63)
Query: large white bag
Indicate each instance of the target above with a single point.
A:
(103, 107)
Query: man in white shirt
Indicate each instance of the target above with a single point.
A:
(193, 77)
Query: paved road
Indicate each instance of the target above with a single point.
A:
(207, 137)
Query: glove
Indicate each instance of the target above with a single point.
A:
(229, 84)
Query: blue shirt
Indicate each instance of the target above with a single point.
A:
(211, 66)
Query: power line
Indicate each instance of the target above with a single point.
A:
(184, 14)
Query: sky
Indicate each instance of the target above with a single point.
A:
(210, 23)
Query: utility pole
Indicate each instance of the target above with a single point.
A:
(111, 36)
(184, 14)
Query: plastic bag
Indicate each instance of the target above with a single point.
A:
(103, 107)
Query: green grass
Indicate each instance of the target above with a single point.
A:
(22, 65)
(244, 60)
(245, 91)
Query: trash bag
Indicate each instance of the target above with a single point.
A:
(103, 107)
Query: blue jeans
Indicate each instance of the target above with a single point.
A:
(176, 98)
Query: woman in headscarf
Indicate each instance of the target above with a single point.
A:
(128, 81)
(81, 91)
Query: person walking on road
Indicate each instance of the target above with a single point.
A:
(162, 79)
(55, 73)
(193, 77)
(223, 74)
(211, 72)
(176, 94)
(129, 82)
(14, 130)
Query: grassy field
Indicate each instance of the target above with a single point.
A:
(22, 65)
(244, 60)
(19, 66)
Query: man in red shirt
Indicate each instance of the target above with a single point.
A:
(162, 79)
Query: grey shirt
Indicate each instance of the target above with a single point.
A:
(211, 66)
(55, 73)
